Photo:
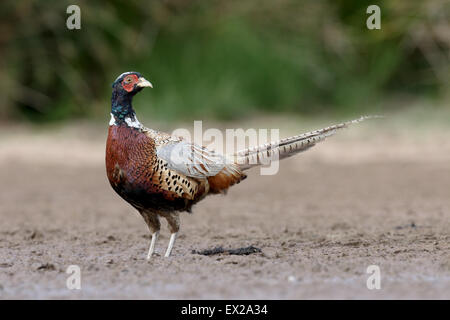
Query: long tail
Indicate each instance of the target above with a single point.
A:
(287, 147)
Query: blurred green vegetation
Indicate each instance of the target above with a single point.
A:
(224, 59)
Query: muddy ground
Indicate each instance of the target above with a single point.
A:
(361, 198)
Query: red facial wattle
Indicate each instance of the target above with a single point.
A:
(128, 84)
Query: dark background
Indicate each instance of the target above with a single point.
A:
(223, 59)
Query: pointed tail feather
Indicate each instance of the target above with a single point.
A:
(287, 147)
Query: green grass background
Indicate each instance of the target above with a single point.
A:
(223, 59)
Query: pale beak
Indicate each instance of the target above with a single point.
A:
(142, 83)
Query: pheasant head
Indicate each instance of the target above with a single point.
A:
(123, 90)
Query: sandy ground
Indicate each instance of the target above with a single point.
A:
(358, 199)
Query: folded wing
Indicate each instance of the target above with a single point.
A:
(200, 163)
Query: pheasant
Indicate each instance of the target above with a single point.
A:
(162, 175)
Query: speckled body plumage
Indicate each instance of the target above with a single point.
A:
(146, 182)
(136, 174)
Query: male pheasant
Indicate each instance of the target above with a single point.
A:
(161, 175)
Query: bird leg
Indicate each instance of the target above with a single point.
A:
(152, 244)
(173, 220)
(152, 220)
(173, 236)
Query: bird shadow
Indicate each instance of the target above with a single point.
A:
(220, 250)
